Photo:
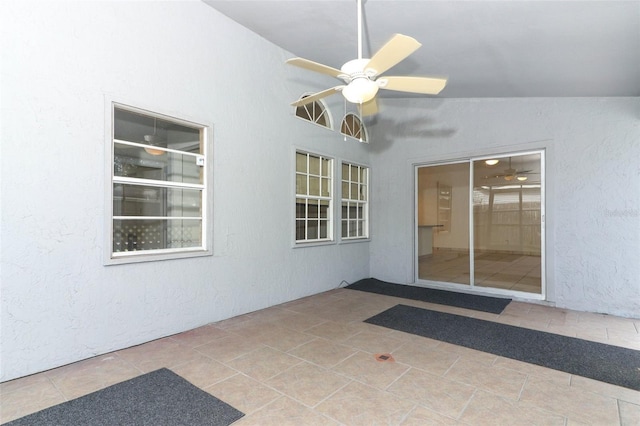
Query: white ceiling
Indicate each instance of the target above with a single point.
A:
(486, 48)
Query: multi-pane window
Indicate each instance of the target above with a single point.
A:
(314, 112)
(355, 205)
(158, 185)
(314, 221)
(352, 126)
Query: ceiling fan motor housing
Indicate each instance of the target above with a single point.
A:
(360, 88)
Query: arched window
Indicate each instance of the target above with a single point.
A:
(353, 127)
(314, 112)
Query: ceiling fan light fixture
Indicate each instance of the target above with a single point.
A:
(491, 162)
(152, 140)
(521, 178)
(360, 90)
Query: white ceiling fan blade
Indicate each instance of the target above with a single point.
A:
(424, 85)
(395, 50)
(369, 108)
(311, 98)
(315, 66)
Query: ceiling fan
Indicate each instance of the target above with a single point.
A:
(362, 78)
(512, 174)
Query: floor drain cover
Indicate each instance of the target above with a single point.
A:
(384, 358)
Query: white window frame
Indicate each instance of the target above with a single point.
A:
(330, 210)
(348, 198)
(360, 134)
(315, 110)
(205, 248)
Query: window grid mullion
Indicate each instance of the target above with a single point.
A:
(316, 201)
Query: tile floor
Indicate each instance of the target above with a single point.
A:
(312, 362)
(498, 270)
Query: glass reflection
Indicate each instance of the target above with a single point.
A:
(443, 223)
(507, 220)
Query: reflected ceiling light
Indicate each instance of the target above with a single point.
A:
(153, 140)
(491, 162)
(521, 178)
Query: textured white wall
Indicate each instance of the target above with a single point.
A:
(593, 185)
(59, 62)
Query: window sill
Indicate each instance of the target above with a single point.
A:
(140, 256)
(314, 244)
(355, 240)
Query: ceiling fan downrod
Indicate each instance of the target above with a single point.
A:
(359, 29)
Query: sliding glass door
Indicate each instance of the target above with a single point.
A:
(480, 224)
(443, 217)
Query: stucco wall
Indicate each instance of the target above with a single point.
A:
(60, 61)
(593, 185)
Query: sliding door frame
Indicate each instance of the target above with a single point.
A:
(472, 288)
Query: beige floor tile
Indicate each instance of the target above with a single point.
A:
(272, 314)
(322, 352)
(336, 331)
(425, 357)
(228, 348)
(87, 376)
(606, 389)
(439, 394)
(263, 363)
(515, 306)
(622, 325)
(18, 400)
(624, 343)
(251, 329)
(576, 404)
(285, 412)
(466, 353)
(243, 393)
(487, 316)
(17, 384)
(347, 314)
(535, 370)
(203, 371)
(363, 367)
(199, 336)
(357, 404)
(629, 414)
(486, 408)
(593, 335)
(421, 416)
(284, 339)
(373, 342)
(163, 353)
(563, 329)
(500, 381)
(231, 322)
(624, 337)
(307, 383)
(317, 350)
(297, 321)
(509, 319)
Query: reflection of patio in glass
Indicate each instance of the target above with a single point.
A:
(492, 269)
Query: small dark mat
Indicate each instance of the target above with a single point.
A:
(157, 398)
(494, 305)
(605, 363)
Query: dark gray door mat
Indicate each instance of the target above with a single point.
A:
(157, 398)
(494, 305)
(606, 363)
